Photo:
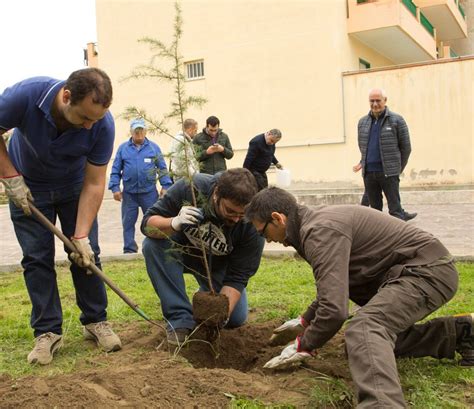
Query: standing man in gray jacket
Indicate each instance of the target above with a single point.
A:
(398, 275)
(384, 143)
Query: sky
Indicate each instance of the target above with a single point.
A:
(44, 37)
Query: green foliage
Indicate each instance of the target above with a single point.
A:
(332, 393)
(242, 403)
(162, 54)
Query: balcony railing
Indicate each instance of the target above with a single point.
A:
(461, 10)
(410, 6)
(426, 24)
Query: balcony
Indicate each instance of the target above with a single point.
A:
(447, 16)
(397, 29)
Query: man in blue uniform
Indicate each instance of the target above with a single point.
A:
(58, 154)
(175, 231)
(261, 154)
(138, 163)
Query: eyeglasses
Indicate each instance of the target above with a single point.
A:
(228, 212)
(375, 101)
(261, 233)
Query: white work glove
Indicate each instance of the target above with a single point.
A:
(18, 192)
(279, 165)
(288, 331)
(188, 215)
(291, 355)
(84, 255)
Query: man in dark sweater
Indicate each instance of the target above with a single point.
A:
(176, 233)
(396, 272)
(261, 154)
(384, 143)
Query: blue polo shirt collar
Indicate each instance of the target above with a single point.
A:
(45, 101)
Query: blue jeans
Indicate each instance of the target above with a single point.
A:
(166, 274)
(130, 204)
(37, 244)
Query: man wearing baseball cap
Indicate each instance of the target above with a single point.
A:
(139, 163)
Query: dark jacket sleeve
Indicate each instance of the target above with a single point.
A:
(403, 142)
(328, 254)
(169, 205)
(252, 153)
(228, 151)
(244, 260)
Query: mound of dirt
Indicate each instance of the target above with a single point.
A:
(199, 375)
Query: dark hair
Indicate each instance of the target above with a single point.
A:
(213, 121)
(237, 185)
(267, 201)
(82, 83)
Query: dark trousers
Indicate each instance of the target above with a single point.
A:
(37, 244)
(375, 183)
(365, 199)
(261, 178)
(385, 328)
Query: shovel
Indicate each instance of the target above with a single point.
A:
(92, 267)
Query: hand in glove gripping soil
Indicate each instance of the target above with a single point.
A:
(18, 192)
(188, 215)
(84, 255)
(291, 355)
(288, 331)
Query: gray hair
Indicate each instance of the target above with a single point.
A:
(275, 132)
(189, 123)
(381, 90)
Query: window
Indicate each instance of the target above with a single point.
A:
(363, 65)
(194, 70)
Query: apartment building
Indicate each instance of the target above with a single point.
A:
(306, 67)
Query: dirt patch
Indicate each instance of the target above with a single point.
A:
(202, 375)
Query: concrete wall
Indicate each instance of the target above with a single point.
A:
(279, 64)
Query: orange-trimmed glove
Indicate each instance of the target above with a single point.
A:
(18, 192)
(291, 355)
(84, 255)
(288, 331)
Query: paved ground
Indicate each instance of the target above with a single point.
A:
(453, 224)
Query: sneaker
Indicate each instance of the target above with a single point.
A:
(177, 336)
(465, 338)
(408, 216)
(102, 334)
(45, 346)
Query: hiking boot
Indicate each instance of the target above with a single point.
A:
(45, 346)
(178, 336)
(465, 338)
(102, 334)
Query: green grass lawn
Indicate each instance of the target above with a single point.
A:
(281, 289)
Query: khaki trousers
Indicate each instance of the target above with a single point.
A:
(385, 328)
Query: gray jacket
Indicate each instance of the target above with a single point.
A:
(395, 145)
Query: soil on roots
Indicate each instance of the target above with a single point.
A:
(144, 374)
(209, 309)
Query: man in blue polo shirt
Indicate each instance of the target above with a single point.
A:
(62, 141)
(138, 163)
